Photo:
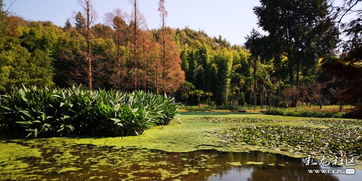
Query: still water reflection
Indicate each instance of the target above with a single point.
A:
(270, 167)
(87, 162)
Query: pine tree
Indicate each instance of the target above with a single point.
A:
(79, 21)
(67, 25)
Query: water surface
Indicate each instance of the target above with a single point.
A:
(88, 162)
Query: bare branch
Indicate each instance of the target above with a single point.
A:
(109, 17)
(92, 12)
(348, 10)
(10, 5)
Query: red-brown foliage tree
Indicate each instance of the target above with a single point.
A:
(172, 75)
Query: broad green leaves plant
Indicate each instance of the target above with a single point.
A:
(46, 112)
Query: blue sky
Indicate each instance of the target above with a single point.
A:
(232, 19)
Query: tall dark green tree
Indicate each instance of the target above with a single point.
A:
(79, 21)
(67, 25)
(223, 59)
(301, 31)
(259, 47)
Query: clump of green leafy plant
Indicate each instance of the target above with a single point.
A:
(47, 112)
(326, 112)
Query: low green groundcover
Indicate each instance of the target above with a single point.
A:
(328, 112)
(48, 112)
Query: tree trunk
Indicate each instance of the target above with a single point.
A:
(135, 45)
(89, 49)
(340, 107)
(262, 99)
(163, 50)
(297, 82)
(254, 91)
(119, 58)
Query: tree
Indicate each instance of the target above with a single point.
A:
(352, 29)
(208, 95)
(201, 57)
(120, 37)
(185, 91)
(134, 66)
(172, 75)
(198, 94)
(261, 51)
(68, 25)
(80, 23)
(148, 61)
(121, 30)
(311, 93)
(253, 43)
(224, 60)
(346, 69)
(3, 20)
(301, 31)
(239, 73)
(3, 23)
(102, 31)
(120, 26)
(90, 18)
(69, 60)
(163, 14)
(26, 59)
(348, 73)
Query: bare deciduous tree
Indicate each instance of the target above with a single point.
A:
(163, 14)
(90, 15)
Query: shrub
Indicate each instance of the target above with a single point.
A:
(300, 112)
(274, 112)
(75, 111)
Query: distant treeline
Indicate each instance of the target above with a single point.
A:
(294, 64)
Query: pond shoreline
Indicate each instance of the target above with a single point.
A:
(188, 133)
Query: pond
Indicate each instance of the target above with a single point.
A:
(87, 162)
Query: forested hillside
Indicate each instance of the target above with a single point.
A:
(123, 57)
(282, 68)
